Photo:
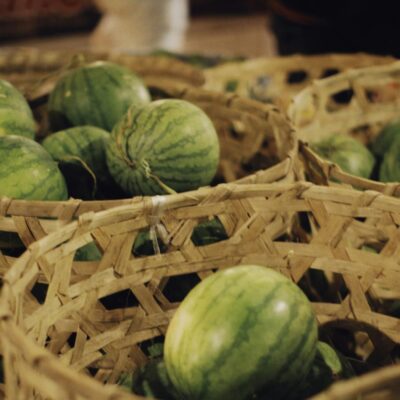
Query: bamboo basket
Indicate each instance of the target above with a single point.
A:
(294, 228)
(278, 79)
(257, 141)
(34, 71)
(358, 103)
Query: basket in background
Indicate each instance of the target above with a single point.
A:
(358, 103)
(257, 141)
(278, 79)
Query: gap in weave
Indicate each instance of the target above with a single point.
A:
(179, 286)
(297, 76)
(122, 299)
(39, 291)
(339, 100)
(327, 72)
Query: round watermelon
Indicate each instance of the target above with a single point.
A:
(168, 145)
(84, 145)
(28, 172)
(16, 117)
(351, 156)
(385, 139)
(240, 331)
(97, 94)
(389, 170)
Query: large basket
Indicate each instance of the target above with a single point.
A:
(278, 79)
(257, 142)
(298, 229)
(357, 103)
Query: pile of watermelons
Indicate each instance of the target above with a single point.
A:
(243, 333)
(377, 160)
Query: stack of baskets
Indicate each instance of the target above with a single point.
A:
(60, 339)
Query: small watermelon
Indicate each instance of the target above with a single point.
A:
(351, 156)
(389, 170)
(240, 331)
(27, 171)
(97, 94)
(16, 117)
(386, 137)
(168, 145)
(84, 146)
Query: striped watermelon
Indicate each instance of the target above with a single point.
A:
(85, 144)
(16, 117)
(389, 170)
(240, 331)
(168, 145)
(27, 171)
(352, 156)
(97, 94)
(385, 139)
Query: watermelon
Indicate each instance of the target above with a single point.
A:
(27, 171)
(389, 170)
(351, 156)
(240, 331)
(169, 145)
(386, 137)
(89, 252)
(97, 94)
(16, 117)
(84, 146)
(328, 366)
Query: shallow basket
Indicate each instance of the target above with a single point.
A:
(357, 103)
(50, 303)
(278, 79)
(257, 141)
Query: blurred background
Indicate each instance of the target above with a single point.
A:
(246, 28)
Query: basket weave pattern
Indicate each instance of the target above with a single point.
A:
(293, 228)
(358, 103)
(278, 79)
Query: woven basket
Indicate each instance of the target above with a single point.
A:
(278, 79)
(34, 71)
(298, 229)
(358, 103)
(257, 145)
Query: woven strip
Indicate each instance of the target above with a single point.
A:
(357, 103)
(278, 79)
(293, 228)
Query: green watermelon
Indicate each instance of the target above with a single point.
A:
(352, 156)
(168, 145)
(27, 171)
(16, 117)
(97, 94)
(89, 252)
(84, 146)
(328, 366)
(240, 331)
(386, 137)
(389, 170)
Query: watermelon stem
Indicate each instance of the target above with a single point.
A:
(86, 167)
(149, 174)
